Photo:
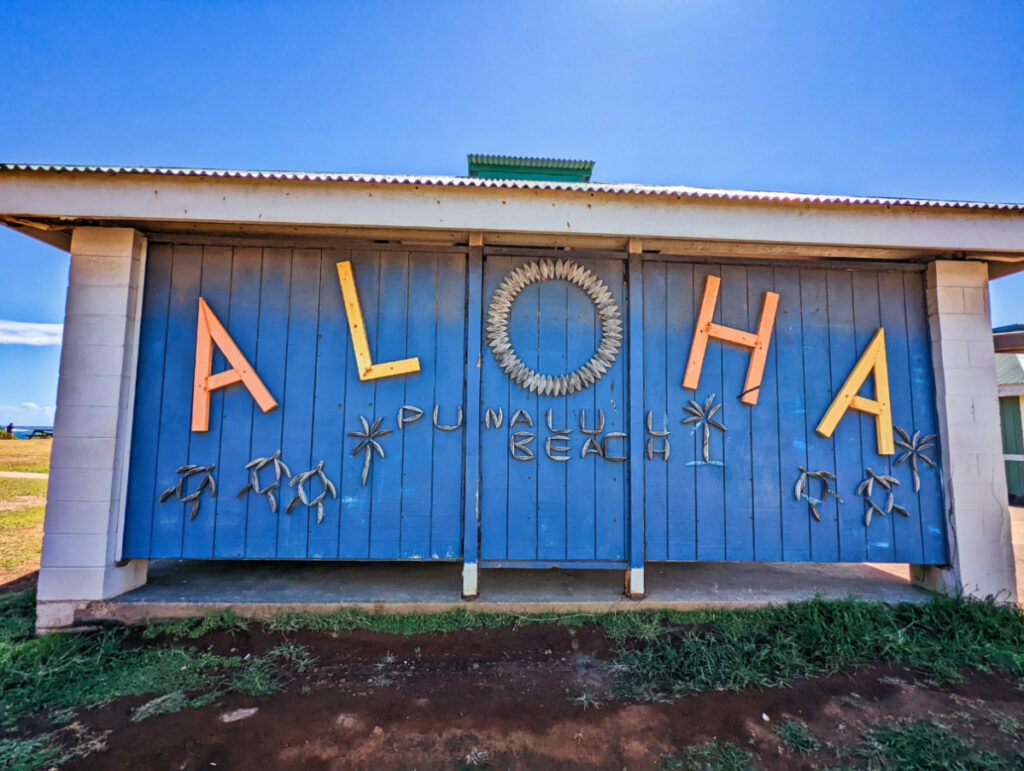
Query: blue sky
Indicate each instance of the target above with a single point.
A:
(919, 99)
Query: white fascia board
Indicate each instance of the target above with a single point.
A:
(343, 204)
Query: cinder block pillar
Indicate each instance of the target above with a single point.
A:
(978, 515)
(92, 429)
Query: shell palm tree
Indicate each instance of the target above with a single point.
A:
(915, 447)
(703, 417)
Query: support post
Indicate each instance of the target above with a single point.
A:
(635, 575)
(474, 351)
(978, 518)
(84, 525)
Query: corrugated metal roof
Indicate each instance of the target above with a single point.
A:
(674, 191)
(538, 163)
(1009, 369)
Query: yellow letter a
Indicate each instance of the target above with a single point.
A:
(871, 361)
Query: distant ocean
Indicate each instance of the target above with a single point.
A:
(23, 432)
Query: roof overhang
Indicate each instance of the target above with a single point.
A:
(47, 202)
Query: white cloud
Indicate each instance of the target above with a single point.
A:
(26, 414)
(28, 333)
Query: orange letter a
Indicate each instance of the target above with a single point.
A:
(209, 332)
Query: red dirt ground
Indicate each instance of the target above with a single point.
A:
(376, 701)
(509, 693)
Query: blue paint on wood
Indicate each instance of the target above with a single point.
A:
(710, 478)
(739, 514)
(792, 417)
(906, 540)
(767, 485)
(682, 478)
(449, 446)
(355, 495)
(142, 491)
(204, 446)
(333, 359)
(265, 439)
(474, 347)
(389, 340)
(495, 464)
(612, 494)
(848, 437)
(169, 520)
(933, 511)
(236, 410)
(654, 399)
(583, 334)
(522, 474)
(284, 309)
(819, 386)
(418, 438)
(636, 414)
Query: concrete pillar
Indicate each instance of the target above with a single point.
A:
(978, 517)
(92, 429)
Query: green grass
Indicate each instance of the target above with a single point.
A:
(924, 745)
(25, 455)
(92, 668)
(13, 488)
(20, 540)
(797, 736)
(710, 756)
(667, 656)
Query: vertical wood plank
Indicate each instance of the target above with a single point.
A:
(522, 474)
(204, 446)
(797, 520)
(496, 391)
(389, 317)
(238, 406)
(682, 478)
(739, 515)
(879, 534)
(654, 401)
(634, 410)
(472, 377)
(300, 378)
(552, 324)
(907, 546)
(849, 462)
(328, 429)
(583, 335)
(933, 519)
(710, 478)
(175, 417)
(271, 359)
(819, 382)
(611, 394)
(142, 492)
(766, 432)
(356, 506)
(450, 446)
(418, 459)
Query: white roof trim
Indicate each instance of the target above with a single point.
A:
(677, 191)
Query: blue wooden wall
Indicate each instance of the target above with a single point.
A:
(284, 309)
(746, 509)
(541, 510)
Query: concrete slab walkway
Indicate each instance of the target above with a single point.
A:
(262, 589)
